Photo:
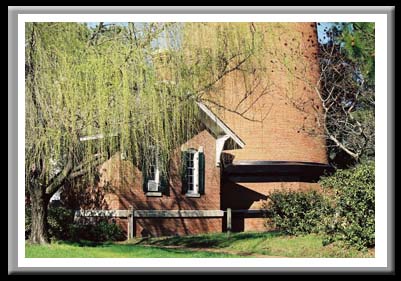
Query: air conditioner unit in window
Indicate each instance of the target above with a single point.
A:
(153, 186)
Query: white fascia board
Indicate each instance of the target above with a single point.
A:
(220, 124)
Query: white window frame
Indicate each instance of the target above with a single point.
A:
(193, 186)
(195, 183)
(156, 171)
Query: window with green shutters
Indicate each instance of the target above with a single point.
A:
(193, 172)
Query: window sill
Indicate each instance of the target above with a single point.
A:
(193, 195)
(154, 194)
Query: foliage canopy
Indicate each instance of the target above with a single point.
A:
(132, 85)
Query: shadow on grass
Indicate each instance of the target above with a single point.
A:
(84, 243)
(118, 247)
(220, 240)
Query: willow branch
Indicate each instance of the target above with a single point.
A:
(58, 180)
(86, 169)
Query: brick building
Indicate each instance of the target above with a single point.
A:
(253, 141)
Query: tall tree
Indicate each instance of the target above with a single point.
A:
(347, 82)
(125, 87)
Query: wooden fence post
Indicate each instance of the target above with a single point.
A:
(131, 223)
(129, 226)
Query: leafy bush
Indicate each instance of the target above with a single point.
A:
(354, 203)
(99, 231)
(295, 212)
(62, 227)
(59, 221)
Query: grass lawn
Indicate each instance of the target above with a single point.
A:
(112, 250)
(219, 245)
(270, 244)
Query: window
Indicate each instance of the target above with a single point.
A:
(154, 171)
(194, 172)
(151, 175)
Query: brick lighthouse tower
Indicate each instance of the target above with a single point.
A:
(276, 112)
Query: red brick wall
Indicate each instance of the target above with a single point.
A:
(252, 195)
(247, 222)
(244, 196)
(144, 227)
(276, 112)
(120, 187)
(120, 184)
(131, 192)
(254, 224)
(176, 226)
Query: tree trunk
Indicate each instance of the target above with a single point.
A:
(39, 203)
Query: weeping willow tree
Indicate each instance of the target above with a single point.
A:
(91, 92)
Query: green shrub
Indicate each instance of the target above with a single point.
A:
(61, 226)
(59, 222)
(99, 231)
(354, 203)
(295, 212)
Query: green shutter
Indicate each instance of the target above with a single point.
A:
(201, 173)
(184, 157)
(144, 178)
(164, 185)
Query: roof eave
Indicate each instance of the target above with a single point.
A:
(220, 124)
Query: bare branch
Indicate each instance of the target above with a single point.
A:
(343, 147)
(224, 73)
(232, 111)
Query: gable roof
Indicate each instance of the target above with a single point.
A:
(209, 119)
(214, 124)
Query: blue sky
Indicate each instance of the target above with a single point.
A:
(320, 31)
